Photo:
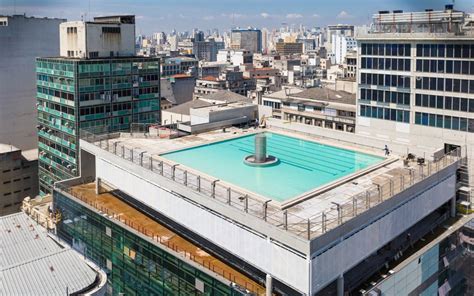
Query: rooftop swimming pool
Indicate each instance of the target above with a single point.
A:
(303, 166)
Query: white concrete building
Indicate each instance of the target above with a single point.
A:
(341, 45)
(109, 36)
(317, 242)
(236, 57)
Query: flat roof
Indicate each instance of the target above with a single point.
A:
(316, 209)
(31, 154)
(118, 210)
(6, 148)
(327, 95)
(185, 108)
(32, 263)
(307, 208)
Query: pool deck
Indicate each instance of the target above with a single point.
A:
(307, 208)
(114, 208)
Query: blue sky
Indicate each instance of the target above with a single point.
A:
(165, 15)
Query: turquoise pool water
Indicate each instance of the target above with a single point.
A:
(303, 166)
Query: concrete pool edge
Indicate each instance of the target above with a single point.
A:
(291, 201)
(331, 185)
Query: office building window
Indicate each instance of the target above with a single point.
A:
(445, 84)
(386, 80)
(444, 121)
(401, 98)
(374, 49)
(384, 113)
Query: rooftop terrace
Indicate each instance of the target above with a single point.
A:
(309, 216)
(107, 203)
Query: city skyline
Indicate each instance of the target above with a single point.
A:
(223, 15)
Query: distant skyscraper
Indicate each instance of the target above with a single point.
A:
(98, 84)
(22, 39)
(249, 39)
(207, 50)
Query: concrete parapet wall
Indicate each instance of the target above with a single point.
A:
(255, 248)
(409, 207)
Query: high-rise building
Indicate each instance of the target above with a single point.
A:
(343, 30)
(98, 84)
(22, 39)
(207, 49)
(163, 213)
(416, 81)
(249, 39)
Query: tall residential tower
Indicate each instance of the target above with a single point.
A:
(96, 84)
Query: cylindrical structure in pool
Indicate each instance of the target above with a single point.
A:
(260, 148)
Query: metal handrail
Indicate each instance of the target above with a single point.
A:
(243, 201)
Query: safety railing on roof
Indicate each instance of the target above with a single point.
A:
(307, 228)
(206, 263)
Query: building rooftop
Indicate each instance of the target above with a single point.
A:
(428, 24)
(310, 214)
(227, 96)
(181, 76)
(327, 95)
(283, 94)
(185, 107)
(6, 148)
(32, 263)
(30, 155)
(209, 78)
(110, 204)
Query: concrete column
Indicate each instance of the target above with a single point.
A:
(97, 186)
(340, 285)
(268, 285)
(453, 206)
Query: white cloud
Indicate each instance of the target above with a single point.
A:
(265, 15)
(294, 16)
(208, 18)
(316, 15)
(344, 15)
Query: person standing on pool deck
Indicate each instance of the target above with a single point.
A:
(387, 151)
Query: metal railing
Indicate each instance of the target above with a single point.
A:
(307, 228)
(206, 263)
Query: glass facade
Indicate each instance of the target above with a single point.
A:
(97, 95)
(441, 76)
(444, 269)
(134, 265)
